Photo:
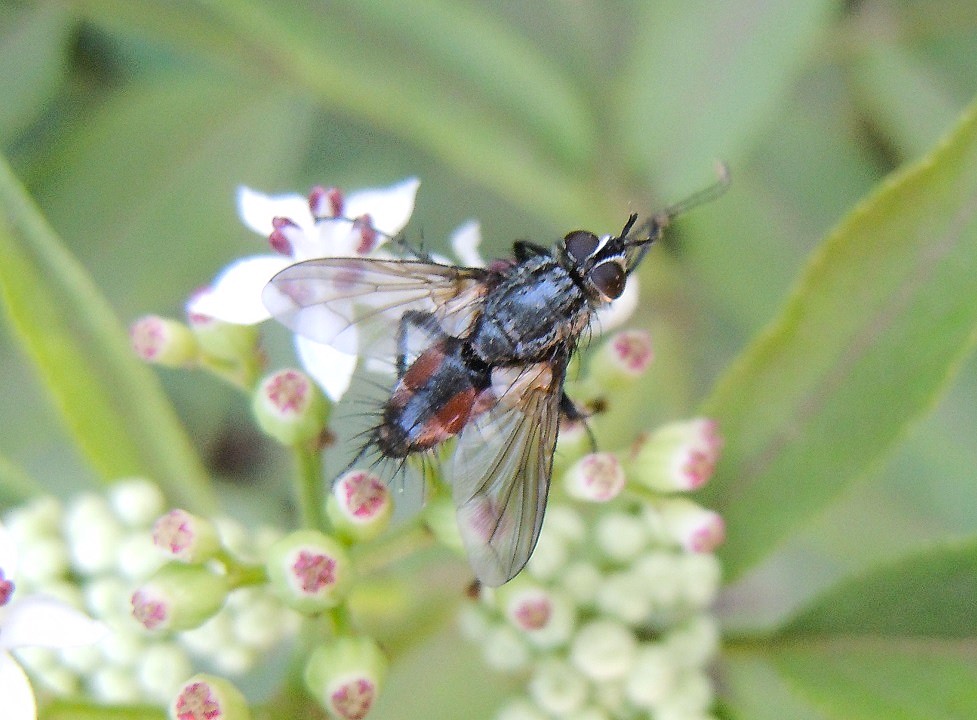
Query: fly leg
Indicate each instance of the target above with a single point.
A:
(570, 411)
(410, 321)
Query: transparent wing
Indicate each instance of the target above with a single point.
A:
(501, 472)
(356, 304)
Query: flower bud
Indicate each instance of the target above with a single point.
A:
(289, 407)
(186, 537)
(346, 675)
(136, 501)
(678, 457)
(163, 341)
(652, 676)
(603, 649)
(692, 526)
(210, 697)
(229, 342)
(359, 506)
(308, 570)
(544, 616)
(179, 597)
(597, 477)
(557, 687)
(622, 359)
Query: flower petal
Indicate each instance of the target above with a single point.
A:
(465, 241)
(389, 208)
(235, 295)
(618, 312)
(41, 621)
(8, 554)
(16, 691)
(329, 367)
(257, 210)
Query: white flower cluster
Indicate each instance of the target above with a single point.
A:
(610, 620)
(90, 553)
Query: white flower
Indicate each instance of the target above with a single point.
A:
(32, 621)
(325, 224)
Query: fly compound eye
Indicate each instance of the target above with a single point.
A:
(580, 244)
(609, 277)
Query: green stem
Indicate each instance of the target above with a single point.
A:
(309, 485)
(406, 540)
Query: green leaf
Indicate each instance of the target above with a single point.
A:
(854, 679)
(878, 323)
(928, 594)
(703, 78)
(111, 402)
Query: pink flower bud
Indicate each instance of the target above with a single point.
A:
(597, 477)
(186, 537)
(360, 505)
(692, 526)
(163, 341)
(205, 697)
(679, 456)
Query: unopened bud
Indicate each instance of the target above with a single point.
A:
(179, 597)
(228, 342)
(206, 697)
(597, 477)
(163, 341)
(692, 526)
(622, 359)
(290, 407)
(360, 505)
(346, 675)
(186, 537)
(678, 457)
(308, 570)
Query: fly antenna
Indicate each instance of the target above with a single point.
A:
(651, 228)
(706, 195)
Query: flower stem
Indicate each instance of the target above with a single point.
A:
(391, 547)
(309, 485)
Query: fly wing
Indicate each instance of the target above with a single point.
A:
(501, 472)
(356, 304)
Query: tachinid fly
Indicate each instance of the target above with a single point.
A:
(480, 355)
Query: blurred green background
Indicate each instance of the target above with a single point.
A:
(132, 123)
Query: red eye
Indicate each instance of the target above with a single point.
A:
(580, 244)
(608, 278)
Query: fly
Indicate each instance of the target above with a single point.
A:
(480, 356)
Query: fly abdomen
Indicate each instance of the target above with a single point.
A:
(434, 400)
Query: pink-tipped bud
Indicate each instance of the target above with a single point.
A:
(597, 477)
(205, 697)
(186, 537)
(623, 358)
(290, 407)
(163, 341)
(179, 597)
(360, 505)
(308, 570)
(346, 675)
(692, 526)
(283, 235)
(679, 456)
(326, 202)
